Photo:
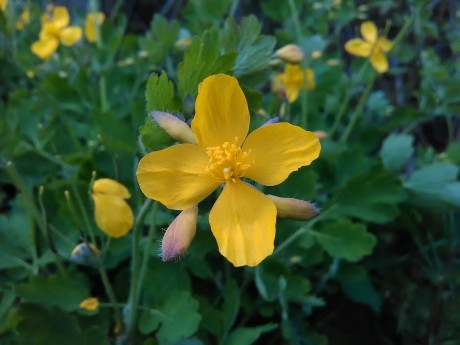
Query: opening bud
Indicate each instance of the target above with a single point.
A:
(290, 53)
(179, 234)
(294, 208)
(176, 128)
(90, 304)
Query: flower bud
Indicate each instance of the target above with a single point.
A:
(321, 134)
(90, 304)
(316, 54)
(84, 254)
(183, 44)
(294, 208)
(290, 53)
(271, 121)
(179, 234)
(176, 128)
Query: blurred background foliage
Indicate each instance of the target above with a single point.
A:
(380, 265)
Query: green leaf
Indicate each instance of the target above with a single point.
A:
(373, 196)
(248, 335)
(54, 291)
(202, 60)
(436, 185)
(357, 285)
(231, 304)
(453, 153)
(160, 94)
(345, 240)
(254, 50)
(396, 150)
(41, 326)
(160, 39)
(177, 317)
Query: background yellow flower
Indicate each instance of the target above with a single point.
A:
(91, 22)
(113, 214)
(55, 30)
(294, 79)
(372, 47)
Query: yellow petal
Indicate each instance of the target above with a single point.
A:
(358, 47)
(369, 32)
(49, 30)
(292, 93)
(91, 304)
(221, 112)
(91, 21)
(243, 222)
(110, 187)
(60, 17)
(277, 150)
(44, 48)
(70, 35)
(379, 61)
(384, 44)
(113, 215)
(3, 4)
(176, 176)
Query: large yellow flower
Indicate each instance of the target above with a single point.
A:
(372, 47)
(55, 30)
(294, 79)
(113, 214)
(92, 21)
(242, 219)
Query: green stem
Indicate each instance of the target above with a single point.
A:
(134, 296)
(346, 101)
(295, 20)
(108, 288)
(81, 206)
(148, 248)
(303, 230)
(358, 109)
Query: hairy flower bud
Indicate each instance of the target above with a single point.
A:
(176, 128)
(321, 134)
(179, 234)
(294, 208)
(85, 254)
(290, 53)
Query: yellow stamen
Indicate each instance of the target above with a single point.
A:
(228, 162)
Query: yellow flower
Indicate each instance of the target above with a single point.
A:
(55, 30)
(23, 20)
(294, 79)
(3, 4)
(113, 214)
(372, 47)
(92, 21)
(242, 219)
(91, 304)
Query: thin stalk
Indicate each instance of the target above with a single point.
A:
(346, 101)
(303, 230)
(82, 208)
(148, 248)
(48, 237)
(358, 109)
(134, 296)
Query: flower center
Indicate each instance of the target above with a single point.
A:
(228, 162)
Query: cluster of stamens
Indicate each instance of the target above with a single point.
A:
(228, 162)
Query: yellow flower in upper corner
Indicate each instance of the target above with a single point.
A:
(294, 79)
(23, 20)
(3, 4)
(92, 21)
(372, 47)
(55, 30)
(243, 219)
(113, 214)
(90, 304)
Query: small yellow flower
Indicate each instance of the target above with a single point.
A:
(243, 219)
(294, 79)
(55, 30)
(23, 20)
(90, 304)
(3, 4)
(113, 214)
(372, 47)
(92, 21)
